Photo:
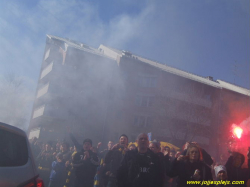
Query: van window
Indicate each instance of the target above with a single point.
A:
(13, 149)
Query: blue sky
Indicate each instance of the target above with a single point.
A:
(207, 38)
(204, 37)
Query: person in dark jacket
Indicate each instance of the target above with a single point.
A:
(85, 163)
(140, 167)
(113, 159)
(102, 154)
(155, 146)
(65, 151)
(103, 169)
(189, 168)
(234, 168)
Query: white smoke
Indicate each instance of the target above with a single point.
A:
(245, 125)
(16, 98)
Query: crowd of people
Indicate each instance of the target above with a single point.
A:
(144, 164)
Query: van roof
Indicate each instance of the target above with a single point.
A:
(12, 129)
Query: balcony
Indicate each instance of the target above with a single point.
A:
(38, 112)
(190, 99)
(42, 91)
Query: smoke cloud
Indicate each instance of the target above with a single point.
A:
(16, 99)
(170, 32)
(245, 125)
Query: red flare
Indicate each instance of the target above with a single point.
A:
(237, 131)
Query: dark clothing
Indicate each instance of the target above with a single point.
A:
(44, 160)
(237, 173)
(103, 178)
(140, 170)
(168, 181)
(206, 157)
(161, 156)
(113, 158)
(163, 164)
(102, 154)
(85, 169)
(185, 171)
(104, 169)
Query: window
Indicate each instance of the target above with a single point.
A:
(47, 54)
(47, 70)
(143, 121)
(207, 93)
(13, 149)
(43, 91)
(146, 81)
(144, 101)
(180, 87)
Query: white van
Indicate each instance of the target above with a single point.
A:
(17, 166)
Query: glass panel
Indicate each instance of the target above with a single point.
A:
(13, 149)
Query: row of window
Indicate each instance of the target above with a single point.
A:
(148, 121)
(147, 82)
(147, 101)
(144, 101)
(143, 121)
(151, 82)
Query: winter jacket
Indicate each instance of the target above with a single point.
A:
(237, 173)
(113, 159)
(44, 159)
(85, 169)
(140, 170)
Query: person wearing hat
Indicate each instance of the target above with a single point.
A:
(220, 172)
(221, 175)
(85, 163)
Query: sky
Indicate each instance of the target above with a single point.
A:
(206, 38)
